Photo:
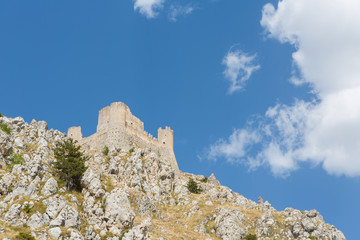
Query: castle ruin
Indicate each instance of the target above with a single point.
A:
(119, 128)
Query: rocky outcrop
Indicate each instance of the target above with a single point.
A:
(117, 209)
(127, 195)
(229, 224)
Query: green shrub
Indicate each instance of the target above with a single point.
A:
(131, 150)
(105, 150)
(5, 128)
(193, 187)
(16, 159)
(70, 163)
(24, 236)
(27, 208)
(204, 180)
(250, 237)
(1, 115)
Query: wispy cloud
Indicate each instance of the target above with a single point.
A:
(239, 67)
(148, 8)
(178, 10)
(152, 8)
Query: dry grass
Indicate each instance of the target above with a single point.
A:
(30, 148)
(177, 225)
(107, 182)
(10, 231)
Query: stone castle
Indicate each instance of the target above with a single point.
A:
(119, 128)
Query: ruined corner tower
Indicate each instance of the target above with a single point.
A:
(118, 127)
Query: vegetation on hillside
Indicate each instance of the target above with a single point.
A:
(70, 163)
(24, 236)
(5, 128)
(193, 187)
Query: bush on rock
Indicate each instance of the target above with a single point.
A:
(193, 187)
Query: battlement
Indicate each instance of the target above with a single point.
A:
(118, 127)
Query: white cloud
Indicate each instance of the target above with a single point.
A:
(325, 131)
(238, 69)
(236, 147)
(177, 10)
(148, 7)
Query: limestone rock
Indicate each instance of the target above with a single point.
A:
(5, 143)
(308, 225)
(213, 180)
(50, 187)
(55, 232)
(118, 208)
(68, 217)
(13, 214)
(5, 182)
(139, 232)
(265, 225)
(37, 220)
(19, 143)
(229, 224)
(54, 205)
(91, 181)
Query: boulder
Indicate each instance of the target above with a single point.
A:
(50, 187)
(19, 143)
(55, 232)
(12, 216)
(307, 224)
(54, 205)
(37, 220)
(118, 208)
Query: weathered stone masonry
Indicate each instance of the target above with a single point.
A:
(118, 127)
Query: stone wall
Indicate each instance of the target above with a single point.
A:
(118, 127)
(75, 133)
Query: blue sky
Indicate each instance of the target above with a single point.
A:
(265, 95)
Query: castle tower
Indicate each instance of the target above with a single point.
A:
(75, 133)
(113, 115)
(166, 137)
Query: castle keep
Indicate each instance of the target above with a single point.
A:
(119, 128)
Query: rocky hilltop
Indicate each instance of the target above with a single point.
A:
(128, 194)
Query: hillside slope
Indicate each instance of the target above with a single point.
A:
(128, 194)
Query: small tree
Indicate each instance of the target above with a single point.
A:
(70, 163)
(193, 187)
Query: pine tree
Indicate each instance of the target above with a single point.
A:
(70, 163)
